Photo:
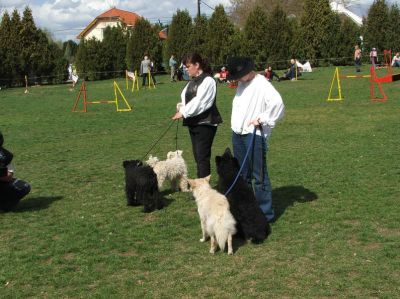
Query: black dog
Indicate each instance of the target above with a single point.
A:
(141, 186)
(251, 221)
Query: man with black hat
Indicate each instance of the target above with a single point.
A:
(256, 104)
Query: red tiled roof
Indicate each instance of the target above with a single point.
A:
(127, 17)
(163, 34)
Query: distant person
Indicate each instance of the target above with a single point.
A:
(145, 66)
(292, 73)
(396, 60)
(373, 56)
(223, 75)
(152, 70)
(269, 74)
(172, 66)
(12, 190)
(357, 58)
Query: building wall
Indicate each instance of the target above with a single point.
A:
(98, 29)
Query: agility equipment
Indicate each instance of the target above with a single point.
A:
(116, 101)
(336, 79)
(150, 80)
(26, 84)
(134, 77)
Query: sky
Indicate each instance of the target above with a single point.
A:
(65, 19)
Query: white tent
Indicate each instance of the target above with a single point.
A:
(305, 68)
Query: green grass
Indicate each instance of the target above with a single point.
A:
(334, 168)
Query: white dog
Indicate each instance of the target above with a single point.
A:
(216, 220)
(173, 169)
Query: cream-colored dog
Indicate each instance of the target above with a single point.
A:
(173, 169)
(216, 220)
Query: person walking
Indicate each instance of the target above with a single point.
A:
(357, 58)
(257, 104)
(199, 111)
(145, 66)
(172, 66)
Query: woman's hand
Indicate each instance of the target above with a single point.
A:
(177, 115)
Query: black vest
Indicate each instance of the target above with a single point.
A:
(209, 117)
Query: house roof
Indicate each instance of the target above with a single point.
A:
(163, 34)
(126, 17)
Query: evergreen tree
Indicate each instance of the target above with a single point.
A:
(114, 50)
(376, 27)
(179, 32)
(15, 46)
(279, 37)
(393, 34)
(348, 37)
(197, 40)
(220, 34)
(70, 48)
(143, 41)
(314, 25)
(7, 62)
(256, 37)
(28, 41)
(81, 59)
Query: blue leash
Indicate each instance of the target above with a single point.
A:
(244, 161)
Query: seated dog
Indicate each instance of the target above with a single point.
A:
(141, 186)
(251, 221)
(216, 220)
(173, 169)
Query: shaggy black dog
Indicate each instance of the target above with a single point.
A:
(251, 221)
(141, 186)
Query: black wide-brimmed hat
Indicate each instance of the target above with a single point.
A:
(239, 67)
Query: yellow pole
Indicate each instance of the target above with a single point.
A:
(337, 77)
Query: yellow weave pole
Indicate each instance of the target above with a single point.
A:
(116, 88)
(126, 79)
(150, 80)
(336, 77)
(135, 82)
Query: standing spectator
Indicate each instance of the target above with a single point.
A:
(145, 69)
(357, 58)
(269, 74)
(396, 60)
(172, 66)
(257, 104)
(199, 111)
(373, 56)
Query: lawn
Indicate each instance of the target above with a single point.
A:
(334, 167)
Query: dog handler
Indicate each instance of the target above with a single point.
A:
(256, 104)
(199, 111)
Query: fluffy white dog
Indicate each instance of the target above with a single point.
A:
(173, 169)
(216, 220)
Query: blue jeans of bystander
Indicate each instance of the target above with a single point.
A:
(255, 168)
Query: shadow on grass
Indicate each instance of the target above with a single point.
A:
(35, 203)
(285, 197)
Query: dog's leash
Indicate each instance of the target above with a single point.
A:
(158, 140)
(176, 135)
(244, 161)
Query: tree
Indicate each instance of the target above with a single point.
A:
(114, 50)
(220, 32)
(376, 27)
(28, 40)
(70, 48)
(314, 25)
(279, 45)
(197, 40)
(393, 34)
(179, 32)
(348, 37)
(256, 36)
(143, 40)
(6, 51)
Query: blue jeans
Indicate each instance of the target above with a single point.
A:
(255, 167)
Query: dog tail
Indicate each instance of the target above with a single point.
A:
(225, 227)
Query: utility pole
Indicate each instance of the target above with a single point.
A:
(198, 8)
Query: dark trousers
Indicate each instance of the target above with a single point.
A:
(12, 192)
(202, 137)
(144, 76)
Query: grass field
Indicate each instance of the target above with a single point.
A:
(335, 173)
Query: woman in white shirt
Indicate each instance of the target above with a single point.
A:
(199, 111)
(256, 104)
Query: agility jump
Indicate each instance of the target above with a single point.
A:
(116, 101)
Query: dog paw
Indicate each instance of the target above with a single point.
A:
(202, 239)
(230, 252)
(212, 251)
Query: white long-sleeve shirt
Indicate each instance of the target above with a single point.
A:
(203, 100)
(256, 99)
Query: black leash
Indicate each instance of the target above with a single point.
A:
(158, 139)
